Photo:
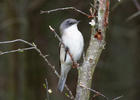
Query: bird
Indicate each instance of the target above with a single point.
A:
(73, 42)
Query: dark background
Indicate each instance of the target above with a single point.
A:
(22, 75)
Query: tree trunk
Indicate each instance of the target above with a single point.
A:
(85, 72)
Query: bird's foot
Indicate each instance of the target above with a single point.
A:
(75, 65)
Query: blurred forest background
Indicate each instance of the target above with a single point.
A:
(22, 75)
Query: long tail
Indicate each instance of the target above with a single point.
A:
(64, 71)
(61, 82)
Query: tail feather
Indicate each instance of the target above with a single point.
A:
(65, 68)
(61, 82)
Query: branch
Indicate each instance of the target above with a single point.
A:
(96, 45)
(136, 4)
(60, 40)
(47, 94)
(17, 40)
(18, 50)
(33, 46)
(52, 29)
(66, 8)
(117, 98)
(96, 92)
(133, 16)
(116, 5)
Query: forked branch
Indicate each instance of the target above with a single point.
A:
(34, 47)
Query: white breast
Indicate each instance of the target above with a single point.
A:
(73, 39)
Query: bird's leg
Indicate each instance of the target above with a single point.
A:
(75, 65)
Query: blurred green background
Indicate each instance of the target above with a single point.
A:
(22, 75)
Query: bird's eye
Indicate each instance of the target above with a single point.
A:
(70, 22)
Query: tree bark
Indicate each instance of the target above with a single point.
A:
(85, 72)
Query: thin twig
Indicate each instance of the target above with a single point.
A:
(136, 4)
(133, 16)
(53, 30)
(44, 57)
(117, 97)
(47, 89)
(17, 40)
(66, 8)
(94, 91)
(33, 46)
(70, 92)
(116, 5)
(55, 71)
(17, 50)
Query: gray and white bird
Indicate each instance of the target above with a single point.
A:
(74, 42)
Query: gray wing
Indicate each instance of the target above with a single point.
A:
(65, 52)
